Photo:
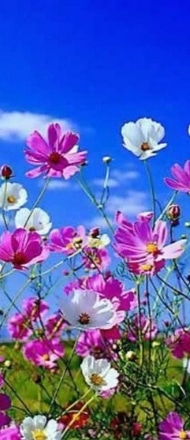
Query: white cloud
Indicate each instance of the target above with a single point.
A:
(58, 185)
(131, 204)
(16, 126)
(118, 177)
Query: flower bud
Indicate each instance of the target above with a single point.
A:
(130, 355)
(106, 159)
(95, 232)
(7, 363)
(6, 172)
(173, 214)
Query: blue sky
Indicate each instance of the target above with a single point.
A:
(97, 65)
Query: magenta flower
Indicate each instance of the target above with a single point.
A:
(19, 327)
(94, 258)
(179, 343)
(34, 308)
(43, 353)
(112, 289)
(5, 403)
(56, 157)
(67, 240)
(10, 433)
(181, 181)
(147, 326)
(172, 428)
(22, 248)
(92, 343)
(139, 242)
(54, 325)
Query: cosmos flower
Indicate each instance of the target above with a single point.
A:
(22, 248)
(11, 432)
(84, 309)
(143, 137)
(139, 242)
(67, 240)
(12, 196)
(39, 428)
(172, 427)
(34, 220)
(99, 374)
(181, 181)
(43, 353)
(5, 404)
(57, 156)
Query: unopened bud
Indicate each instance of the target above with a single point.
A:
(6, 172)
(130, 355)
(95, 232)
(106, 159)
(7, 363)
(173, 213)
(187, 224)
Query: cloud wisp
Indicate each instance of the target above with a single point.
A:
(15, 126)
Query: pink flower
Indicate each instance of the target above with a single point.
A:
(140, 243)
(147, 326)
(94, 258)
(10, 433)
(22, 248)
(112, 289)
(34, 308)
(67, 240)
(172, 428)
(179, 343)
(56, 157)
(54, 325)
(181, 181)
(92, 343)
(5, 403)
(19, 327)
(43, 353)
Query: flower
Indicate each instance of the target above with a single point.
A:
(43, 353)
(56, 157)
(34, 220)
(92, 343)
(85, 309)
(142, 137)
(12, 196)
(96, 240)
(147, 326)
(10, 433)
(179, 343)
(94, 258)
(140, 243)
(19, 327)
(172, 427)
(38, 428)
(73, 419)
(5, 403)
(99, 374)
(67, 240)
(22, 248)
(181, 181)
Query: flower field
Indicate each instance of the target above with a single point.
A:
(110, 359)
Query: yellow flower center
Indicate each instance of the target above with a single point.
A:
(11, 199)
(97, 380)
(84, 318)
(146, 267)
(145, 146)
(183, 435)
(152, 248)
(45, 357)
(39, 434)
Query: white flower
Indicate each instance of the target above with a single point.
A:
(12, 196)
(142, 137)
(99, 374)
(84, 309)
(36, 220)
(98, 242)
(38, 428)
